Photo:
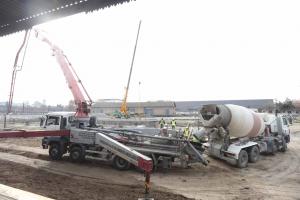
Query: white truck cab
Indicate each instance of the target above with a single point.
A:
(58, 120)
(276, 124)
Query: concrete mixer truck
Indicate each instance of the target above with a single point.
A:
(238, 135)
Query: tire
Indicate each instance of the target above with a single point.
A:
(120, 164)
(55, 152)
(274, 148)
(284, 146)
(154, 162)
(254, 154)
(242, 161)
(77, 154)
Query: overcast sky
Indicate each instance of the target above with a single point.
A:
(187, 50)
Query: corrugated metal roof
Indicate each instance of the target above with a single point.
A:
(148, 104)
(196, 105)
(18, 15)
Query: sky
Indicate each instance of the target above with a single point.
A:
(196, 50)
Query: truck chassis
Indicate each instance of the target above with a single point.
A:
(94, 143)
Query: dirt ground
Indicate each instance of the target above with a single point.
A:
(67, 187)
(25, 165)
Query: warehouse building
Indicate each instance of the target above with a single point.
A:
(150, 108)
(170, 108)
(194, 106)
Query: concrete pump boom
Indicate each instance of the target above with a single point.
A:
(82, 105)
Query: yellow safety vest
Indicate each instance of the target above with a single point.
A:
(173, 123)
(186, 132)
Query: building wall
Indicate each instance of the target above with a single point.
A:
(189, 106)
(142, 108)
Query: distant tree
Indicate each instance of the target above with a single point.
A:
(58, 107)
(37, 104)
(286, 106)
(269, 108)
(71, 106)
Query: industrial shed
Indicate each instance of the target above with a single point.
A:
(150, 108)
(192, 106)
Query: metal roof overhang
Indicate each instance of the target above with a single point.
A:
(18, 15)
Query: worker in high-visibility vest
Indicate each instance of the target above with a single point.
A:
(162, 123)
(193, 139)
(173, 124)
(186, 132)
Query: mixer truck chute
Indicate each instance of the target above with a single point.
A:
(238, 135)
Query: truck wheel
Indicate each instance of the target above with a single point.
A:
(284, 146)
(154, 162)
(77, 154)
(120, 164)
(242, 161)
(55, 152)
(274, 148)
(254, 154)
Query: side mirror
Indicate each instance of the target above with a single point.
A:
(64, 122)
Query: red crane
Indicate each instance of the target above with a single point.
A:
(74, 83)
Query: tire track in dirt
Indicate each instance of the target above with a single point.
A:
(279, 176)
(186, 175)
(280, 166)
(107, 175)
(216, 181)
(272, 177)
(62, 187)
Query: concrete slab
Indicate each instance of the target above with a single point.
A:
(10, 193)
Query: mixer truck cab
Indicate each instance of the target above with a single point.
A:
(238, 135)
(276, 135)
(277, 124)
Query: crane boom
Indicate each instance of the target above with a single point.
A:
(14, 74)
(123, 108)
(82, 105)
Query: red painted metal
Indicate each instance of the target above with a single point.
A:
(146, 165)
(33, 133)
(83, 106)
(147, 184)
